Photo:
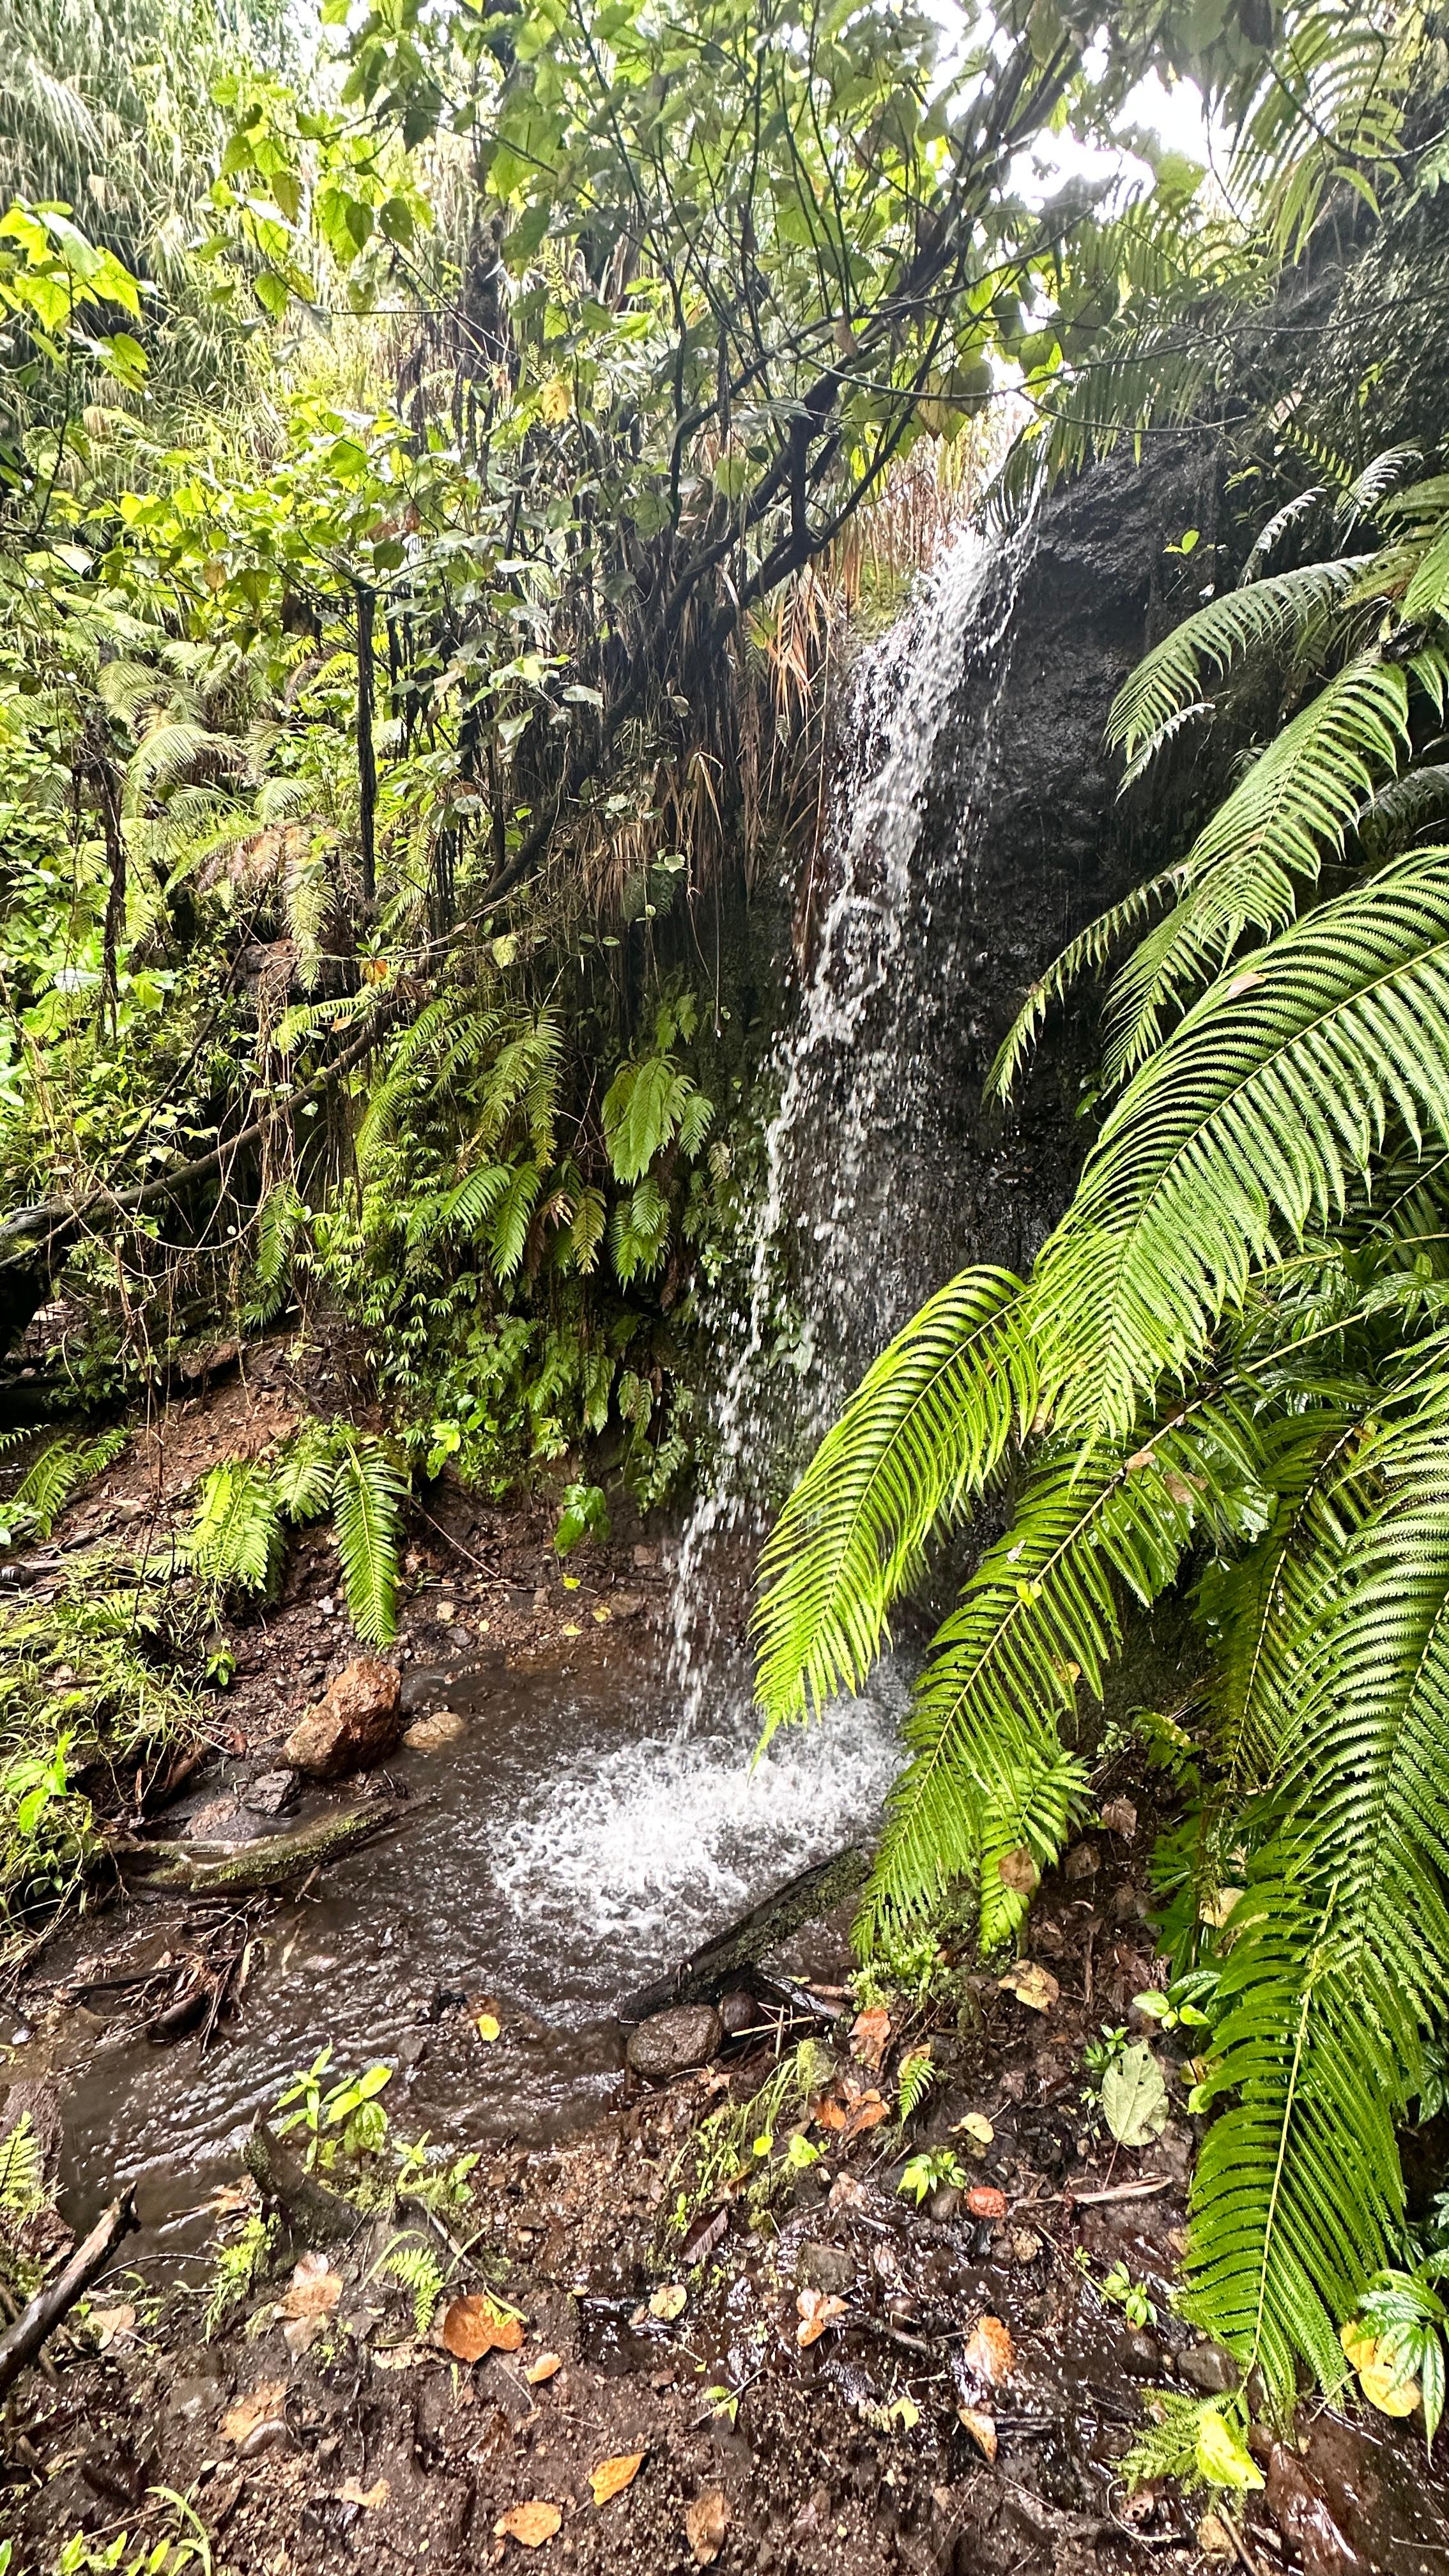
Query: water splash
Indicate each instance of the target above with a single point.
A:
(857, 1223)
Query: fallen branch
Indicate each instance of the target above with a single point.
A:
(21, 2344)
(249, 1867)
(1120, 2191)
(717, 1964)
(316, 2214)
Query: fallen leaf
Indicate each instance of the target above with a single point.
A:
(300, 2333)
(990, 2351)
(1359, 2342)
(473, 2327)
(1134, 2097)
(1388, 2386)
(866, 2112)
(829, 2114)
(372, 2499)
(1026, 2245)
(977, 2128)
(984, 2201)
(532, 2523)
(571, 1628)
(488, 2027)
(817, 2310)
(670, 2302)
(1214, 2538)
(1119, 1816)
(1018, 1871)
(1033, 1986)
(313, 2290)
(870, 2035)
(544, 2368)
(611, 2477)
(980, 2427)
(398, 2356)
(705, 2523)
(106, 2323)
(845, 2193)
(259, 2406)
(1214, 1910)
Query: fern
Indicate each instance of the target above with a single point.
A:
(1283, 608)
(22, 2170)
(57, 1476)
(235, 1536)
(418, 2271)
(368, 1495)
(918, 2076)
(929, 1423)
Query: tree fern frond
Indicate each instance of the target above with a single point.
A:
(469, 1206)
(368, 1495)
(1294, 808)
(1246, 1126)
(1039, 1615)
(925, 1428)
(1404, 809)
(508, 1232)
(1262, 618)
(57, 1475)
(302, 1476)
(1085, 955)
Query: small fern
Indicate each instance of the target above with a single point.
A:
(918, 2076)
(416, 2268)
(57, 1476)
(238, 2268)
(22, 2173)
(235, 1537)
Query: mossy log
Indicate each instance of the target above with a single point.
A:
(718, 1963)
(246, 1868)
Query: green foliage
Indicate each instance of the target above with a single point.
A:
(917, 2076)
(1233, 1370)
(236, 1537)
(583, 1513)
(417, 2269)
(238, 2266)
(368, 1495)
(1197, 2440)
(934, 2169)
(54, 1479)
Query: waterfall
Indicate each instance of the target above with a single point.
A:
(857, 1223)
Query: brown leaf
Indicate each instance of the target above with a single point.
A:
(314, 2289)
(705, 2523)
(980, 2427)
(1033, 1986)
(817, 2311)
(259, 2406)
(1119, 1816)
(611, 2477)
(870, 2035)
(372, 2499)
(106, 2323)
(990, 2351)
(866, 2112)
(473, 2327)
(829, 2114)
(984, 2201)
(544, 2368)
(1018, 1871)
(532, 2523)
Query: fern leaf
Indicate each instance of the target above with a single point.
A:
(508, 1232)
(57, 1475)
(468, 1207)
(302, 1474)
(368, 1495)
(22, 2169)
(236, 1535)
(1261, 618)
(1294, 808)
(639, 1231)
(925, 1429)
(1085, 955)
(1248, 1124)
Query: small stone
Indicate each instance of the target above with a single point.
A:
(1207, 2367)
(826, 2267)
(354, 1723)
(216, 1822)
(1140, 2354)
(737, 2011)
(668, 2042)
(429, 1734)
(447, 1610)
(625, 1605)
(645, 1555)
(271, 1793)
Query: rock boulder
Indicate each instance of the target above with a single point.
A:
(355, 1722)
(668, 2042)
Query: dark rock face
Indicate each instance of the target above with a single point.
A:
(670, 2041)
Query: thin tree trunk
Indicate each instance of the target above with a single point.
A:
(366, 754)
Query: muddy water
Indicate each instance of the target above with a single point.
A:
(570, 1846)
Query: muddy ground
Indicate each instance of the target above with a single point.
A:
(828, 2378)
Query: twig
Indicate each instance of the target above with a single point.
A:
(1119, 2191)
(24, 2339)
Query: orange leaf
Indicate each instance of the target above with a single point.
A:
(990, 2351)
(314, 2289)
(611, 2477)
(980, 2427)
(829, 2114)
(985, 2202)
(473, 2327)
(866, 2112)
(532, 2523)
(544, 2368)
(262, 2405)
(817, 2311)
(869, 2035)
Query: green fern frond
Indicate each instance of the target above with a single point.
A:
(1085, 955)
(1249, 1124)
(419, 2272)
(639, 1231)
(508, 1231)
(1040, 1616)
(927, 1426)
(368, 1497)
(917, 2077)
(22, 2169)
(236, 1534)
(1292, 810)
(302, 1474)
(1284, 608)
(469, 1206)
(57, 1476)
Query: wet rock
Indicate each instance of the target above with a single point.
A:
(625, 1605)
(219, 1821)
(668, 2042)
(1209, 2368)
(429, 1734)
(354, 1723)
(271, 1793)
(1301, 2510)
(1140, 2354)
(737, 2011)
(826, 2267)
